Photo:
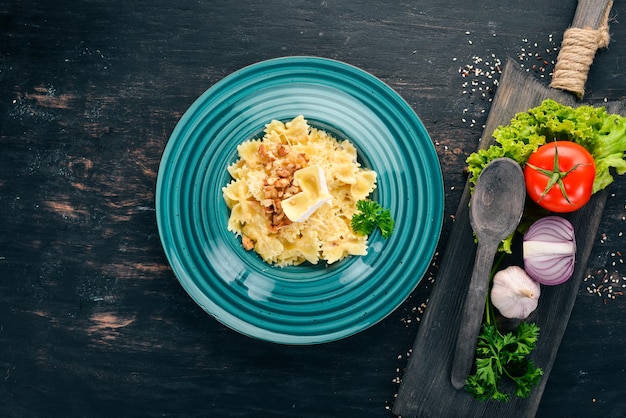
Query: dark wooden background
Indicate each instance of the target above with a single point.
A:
(92, 320)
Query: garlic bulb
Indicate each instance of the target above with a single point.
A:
(514, 293)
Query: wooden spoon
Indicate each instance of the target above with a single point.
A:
(495, 211)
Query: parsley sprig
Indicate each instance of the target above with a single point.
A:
(504, 355)
(500, 355)
(370, 216)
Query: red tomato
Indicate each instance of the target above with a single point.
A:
(559, 176)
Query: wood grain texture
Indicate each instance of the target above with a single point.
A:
(591, 13)
(93, 322)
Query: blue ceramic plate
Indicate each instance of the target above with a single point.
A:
(304, 304)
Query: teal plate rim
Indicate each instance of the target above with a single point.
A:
(306, 304)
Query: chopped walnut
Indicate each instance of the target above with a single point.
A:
(247, 242)
(270, 192)
(265, 153)
(282, 183)
(301, 161)
(291, 190)
(278, 184)
(268, 205)
(283, 150)
(283, 172)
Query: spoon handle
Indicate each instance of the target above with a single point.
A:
(472, 315)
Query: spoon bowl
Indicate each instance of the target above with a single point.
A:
(498, 200)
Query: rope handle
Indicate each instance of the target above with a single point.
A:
(578, 50)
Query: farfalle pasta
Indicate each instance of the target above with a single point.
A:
(262, 178)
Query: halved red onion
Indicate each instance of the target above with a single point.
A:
(550, 250)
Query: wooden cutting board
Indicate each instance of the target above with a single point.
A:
(426, 390)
